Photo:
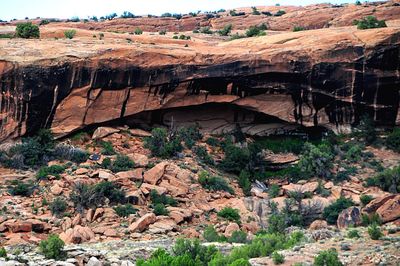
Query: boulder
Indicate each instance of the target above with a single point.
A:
(318, 224)
(81, 171)
(93, 261)
(39, 226)
(98, 213)
(232, 227)
(179, 214)
(77, 235)
(56, 190)
(102, 132)
(19, 226)
(139, 159)
(390, 210)
(142, 223)
(349, 217)
(375, 204)
(131, 175)
(139, 133)
(153, 175)
(162, 226)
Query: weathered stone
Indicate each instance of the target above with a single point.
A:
(390, 210)
(349, 217)
(318, 224)
(232, 227)
(142, 223)
(102, 132)
(77, 235)
(153, 175)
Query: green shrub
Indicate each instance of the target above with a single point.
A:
(298, 28)
(214, 183)
(354, 154)
(244, 182)
(280, 13)
(369, 22)
(159, 209)
(58, 206)
(52, 247)
(235, 160)
(192, 248)
(138, 31)
(3, 252)
(54, 170)
(162, 199)
(375, 232)
(122, 163)
(213, 142)
(69, 34)
(316, 160)
(230, 214)
(327, 257)
(273, 191)
(367, 129)
(353, 234)
(393, 140)
(388, 180)
(125, 210)
(281, 145)
(255, 31)
(20, 188)
(240, 262)
(162, 144)
(27, 30)
(190, 135)
(206, 30)
(332, 211)
(226, 30)
(365, 199)
(238, 237)
(277, 258)
(111, 191)
(162, 32)
(107, 148)
(203, 155)
(211, 235)
(370, 219)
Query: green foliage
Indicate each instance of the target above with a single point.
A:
(20, 188)
(125, 210)
(244, 182)
(213, 142)
(332, 211)
(316, 160)
(393, 140)
(375, 232)
(194, 250)
(162, 32)
(58, 206)
(298, 28)
(214, 183)
(54, 170)
(162, 144)
(240, 262)
(206, 30)
(52, 247)
(162, 199)
(230, 214)
(370, 219)
(327, 257)
(367, 127)
(3, 252)
(277, 258)
(280, 13)
(365, 199)
(369, 22)
(282, 145)
(203, 155)
(69, 34)
(255, 11)
(27, 30)
(211, 235)
(127, 14)
(159, 209)
(388, 180)
(255, 31)
(138, 31)
(353, 233)
(226, 30)
(190, 135)
(107, 148)
(238, 237)
(273, 191)
(354, 154)
(122, 163)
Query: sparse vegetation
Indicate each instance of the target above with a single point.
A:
(206, 30)
(163, 144)
(365, 199)
(138, 31)
(388, 180)
(277, 258)
(393, 140)
(230, 214)
(54, 170)
(162, 199)
(20, 188)
(298, 28)
(214, 183)
(69, 34)
(226, 30)
(353, 233)
(159, 209)
(369, 22)
(327, 257)
(52, 247)
(332, 211)
(273, 191)
(58, 206)
(375, 232)
(27, 30)
(125, 210)
(256, 31)
(316, 160)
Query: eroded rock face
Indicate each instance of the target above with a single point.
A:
(294, 77)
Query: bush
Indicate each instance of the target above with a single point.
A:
(190, 135)
(194, 250)
(206, 30)
(273, 191)
(240, 262)
(230, 214)
(332, 211)
(226, 30)
(244, 182)
(27, 30)
(255, 31)
(122, 163)
(3, 252)
(202, 154)
(388, 180)
(238, 237)
(162, 32)
(109, 190)
(370, 219)
(280, 13)
(69, 34)
(162, 144)
(58, 206)
(282, 145)
(213, 142)
(159, 209)
(375, 232)
(393, 140)
(54, 170)
(369, 22)
(19, 188)
(127, 14)
(125, 210)
(367, 129)
(327, 257)
(278, 258)
(214, 183)
(162, 199)
(211, 235)
(138, 31)
(255, 11)
(353, 234)
(52, 247)
(354, 154)
(316, 160)
(107, 148)
(365, 199)
(298, 28)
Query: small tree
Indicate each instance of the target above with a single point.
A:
(332, 211)
(58, 206)
(52, 247)
(327, 257)
(375, 232)
(226, 30)
(230, 214)
(138, 31)
(27, 30)
(69, 34)
(316, 160)
(369, 22)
